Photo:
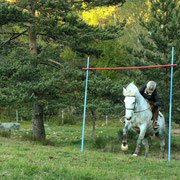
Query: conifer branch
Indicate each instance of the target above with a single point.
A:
(14, 36)
(49, 64)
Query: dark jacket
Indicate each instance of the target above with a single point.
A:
(154, 99)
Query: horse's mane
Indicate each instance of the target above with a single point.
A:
(131, 90)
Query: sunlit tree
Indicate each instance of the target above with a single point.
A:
(33, 36)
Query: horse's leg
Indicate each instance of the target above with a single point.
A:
(139, 140)
(146, 144)
(162, 145)
(124, 146)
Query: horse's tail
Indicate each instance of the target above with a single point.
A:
(162, 124)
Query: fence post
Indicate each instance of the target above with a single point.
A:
(85, 100)
(17, 116)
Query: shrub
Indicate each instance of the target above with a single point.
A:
(5, 133)
(100, 142)
(69, 119)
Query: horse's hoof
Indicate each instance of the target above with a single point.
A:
(135, 155)
(124, 148)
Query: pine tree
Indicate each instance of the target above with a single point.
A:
(162, 33)
(35, 34)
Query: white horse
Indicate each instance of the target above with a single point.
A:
(138, 117)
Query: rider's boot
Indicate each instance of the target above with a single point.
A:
(155, 118)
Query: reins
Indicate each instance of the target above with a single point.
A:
(141, 110)
(137, 111)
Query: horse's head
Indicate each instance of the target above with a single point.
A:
(130, 100)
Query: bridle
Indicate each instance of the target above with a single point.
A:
(133, 109)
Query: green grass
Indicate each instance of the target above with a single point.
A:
(26, 159)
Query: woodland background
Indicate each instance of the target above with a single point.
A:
(44, 45)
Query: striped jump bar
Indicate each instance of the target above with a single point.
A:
(140, 67)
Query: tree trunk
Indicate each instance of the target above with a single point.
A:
(32, 34)
(115, 19)
(32, 41)
(94, 128)
(38, 122)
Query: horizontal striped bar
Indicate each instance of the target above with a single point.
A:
(141, 67)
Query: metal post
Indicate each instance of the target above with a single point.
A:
(85, 100)
(170, 107)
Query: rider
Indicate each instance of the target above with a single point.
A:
(150, 93)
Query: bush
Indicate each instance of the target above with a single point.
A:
(69, 119)
(5, 133)
(100, 142)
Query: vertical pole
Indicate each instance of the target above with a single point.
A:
(170, 106)
(17, 117)
(106, 120)
(62, 115)
(85, 100)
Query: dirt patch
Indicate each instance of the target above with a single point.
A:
(175, 132)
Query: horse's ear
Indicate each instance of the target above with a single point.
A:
(124, 91)
(132, 83)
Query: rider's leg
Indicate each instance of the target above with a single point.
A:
(155, 117)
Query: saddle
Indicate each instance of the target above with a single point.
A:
(155, 114)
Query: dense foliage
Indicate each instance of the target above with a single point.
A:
(34, 39)
(162, 33)
(44, 45)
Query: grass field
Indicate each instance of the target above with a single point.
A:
(60, 157)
